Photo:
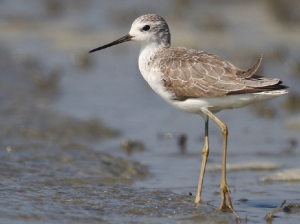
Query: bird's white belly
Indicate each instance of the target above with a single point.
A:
(216, 104)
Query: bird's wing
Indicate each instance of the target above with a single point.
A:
(194, 74)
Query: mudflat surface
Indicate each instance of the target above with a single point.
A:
(85, 140)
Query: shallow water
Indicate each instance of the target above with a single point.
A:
(58, 168)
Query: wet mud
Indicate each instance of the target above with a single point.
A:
(85, 140)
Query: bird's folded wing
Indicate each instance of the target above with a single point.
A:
(200, 74)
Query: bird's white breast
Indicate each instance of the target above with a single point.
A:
(151, 73)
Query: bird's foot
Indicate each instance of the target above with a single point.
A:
(225, 194)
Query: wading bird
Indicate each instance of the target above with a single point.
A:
(196, 82)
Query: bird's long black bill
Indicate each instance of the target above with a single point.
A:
(121, 40)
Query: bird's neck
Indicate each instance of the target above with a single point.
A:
(149, 49)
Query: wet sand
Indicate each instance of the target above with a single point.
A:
(85, 140)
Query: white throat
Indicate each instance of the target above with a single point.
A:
(147, 48)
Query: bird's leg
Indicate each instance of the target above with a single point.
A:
(224, 187)
(205, 152)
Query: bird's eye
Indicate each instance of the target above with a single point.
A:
(146, 28)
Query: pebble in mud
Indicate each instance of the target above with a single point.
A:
(130, 146)
(292, 208)
(181, 141)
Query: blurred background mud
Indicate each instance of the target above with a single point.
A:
(85, 140)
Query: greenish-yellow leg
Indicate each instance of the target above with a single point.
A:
(205, 152)
(224, 187)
